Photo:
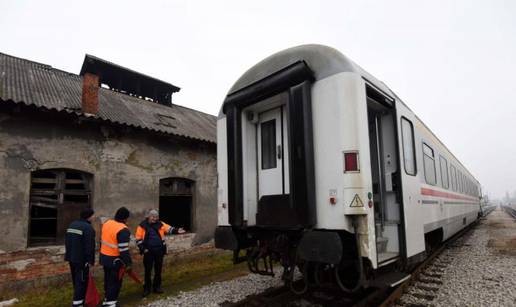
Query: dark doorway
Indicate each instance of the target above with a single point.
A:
(176, 202)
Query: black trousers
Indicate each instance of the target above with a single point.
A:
(153, 258)
(80, 282)
(112, 286)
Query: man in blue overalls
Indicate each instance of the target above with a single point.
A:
(80, 253)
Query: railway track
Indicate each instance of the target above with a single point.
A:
(314, 297)
(511, 211)
(422, 285)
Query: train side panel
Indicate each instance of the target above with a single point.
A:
(431, 205)
(340, 114)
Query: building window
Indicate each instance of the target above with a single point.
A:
(453, 173)
(429, 164)
(176, 202)
(268, 133)
(56, 198)
(409, 154)
(444, 172)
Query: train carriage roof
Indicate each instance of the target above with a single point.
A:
(324, 61)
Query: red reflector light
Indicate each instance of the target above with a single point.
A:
(351, 161)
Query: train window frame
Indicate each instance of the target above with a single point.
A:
(461, 184)
(459, 187)
(404, 146)
(453, 173)
(432, 158)
(268, 153)
(464, 184)
(458, 180)
(444, 171)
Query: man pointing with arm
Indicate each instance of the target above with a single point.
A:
(150, 238)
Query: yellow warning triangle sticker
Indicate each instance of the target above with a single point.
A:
(356, 202)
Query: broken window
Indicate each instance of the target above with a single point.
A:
(56, 199)
(176, 202)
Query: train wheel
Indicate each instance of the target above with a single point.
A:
(298, 287)
(323, 274)
(347, 278)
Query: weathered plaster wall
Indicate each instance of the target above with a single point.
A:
(126, 164)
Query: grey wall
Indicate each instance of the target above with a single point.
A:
(127, 165)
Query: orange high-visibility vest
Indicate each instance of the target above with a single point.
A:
(109, 244)
(140, 232)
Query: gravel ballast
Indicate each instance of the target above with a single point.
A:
(478, 269)
(219, 292)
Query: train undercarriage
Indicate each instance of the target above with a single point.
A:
(318, 257)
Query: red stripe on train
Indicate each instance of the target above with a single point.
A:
(430, 192)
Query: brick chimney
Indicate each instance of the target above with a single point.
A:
(90, 94)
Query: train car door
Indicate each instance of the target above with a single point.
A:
(413, 216)
(385, 173)
(272, 153)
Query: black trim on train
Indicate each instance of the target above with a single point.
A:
(299, 206)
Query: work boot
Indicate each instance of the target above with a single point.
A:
(146, 292)
(158, 290)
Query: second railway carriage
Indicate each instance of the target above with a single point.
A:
(322, 167)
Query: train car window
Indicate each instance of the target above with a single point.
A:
(444, 172)
(465, 184)
(466, 187)
(461, 179)
(409, 154)
(268, 131)
(461, 183)
(429, 164)
(453, 174)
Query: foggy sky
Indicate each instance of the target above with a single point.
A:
(452, 62)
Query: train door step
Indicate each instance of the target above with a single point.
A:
(386, 258)
(390, 279)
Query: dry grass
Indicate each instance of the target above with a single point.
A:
(181, 275)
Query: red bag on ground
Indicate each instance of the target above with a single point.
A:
(92, 295)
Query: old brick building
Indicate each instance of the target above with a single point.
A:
(104, 138)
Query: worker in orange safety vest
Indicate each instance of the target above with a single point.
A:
(114, 254)
(150, 238)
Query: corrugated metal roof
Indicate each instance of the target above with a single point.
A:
(32, 83)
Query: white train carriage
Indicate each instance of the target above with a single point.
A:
(321, 166)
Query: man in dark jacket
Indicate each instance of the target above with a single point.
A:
(150, 238)
(80, 253)
(114, 254)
